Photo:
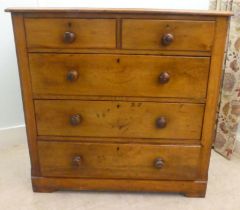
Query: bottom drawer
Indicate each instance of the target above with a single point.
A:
(112, 160)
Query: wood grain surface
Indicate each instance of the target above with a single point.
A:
(90, 33)
(119, 119)
(147, 34)
(119, 75)
(132, 161)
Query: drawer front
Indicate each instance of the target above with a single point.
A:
(168, 34)
(70, 33)
(133, 161)
(118, 119)
(119, 75)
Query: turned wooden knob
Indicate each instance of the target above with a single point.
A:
(68, 37)
(164, 78)
(77, 161)
(167, 39)
(161, 122)
(72, 75)
(75, 119)
(158, 163)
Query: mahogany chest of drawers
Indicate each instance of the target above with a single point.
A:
(120, 99)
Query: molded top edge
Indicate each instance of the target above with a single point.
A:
(117, 10)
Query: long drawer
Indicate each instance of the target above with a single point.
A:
(119, 119)
(70, 33)
(168, 34)
(119, 75)
(132, 161)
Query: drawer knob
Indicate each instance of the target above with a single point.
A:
(158, 163)
(75, 119)
(161, 122)
(77, 161)
(164, 78)
(167, 39)
(68, 37)
(72, 75)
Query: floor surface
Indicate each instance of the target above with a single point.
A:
(15, 190)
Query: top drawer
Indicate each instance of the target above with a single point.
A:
(168, 35)
(70, 33)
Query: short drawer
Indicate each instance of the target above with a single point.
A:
(132, 161)
(70, 33)
(167, 34)
(118, 119)
(119, 75)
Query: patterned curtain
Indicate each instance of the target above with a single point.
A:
(228, 122)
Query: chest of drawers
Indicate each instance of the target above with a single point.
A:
(120, 99)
